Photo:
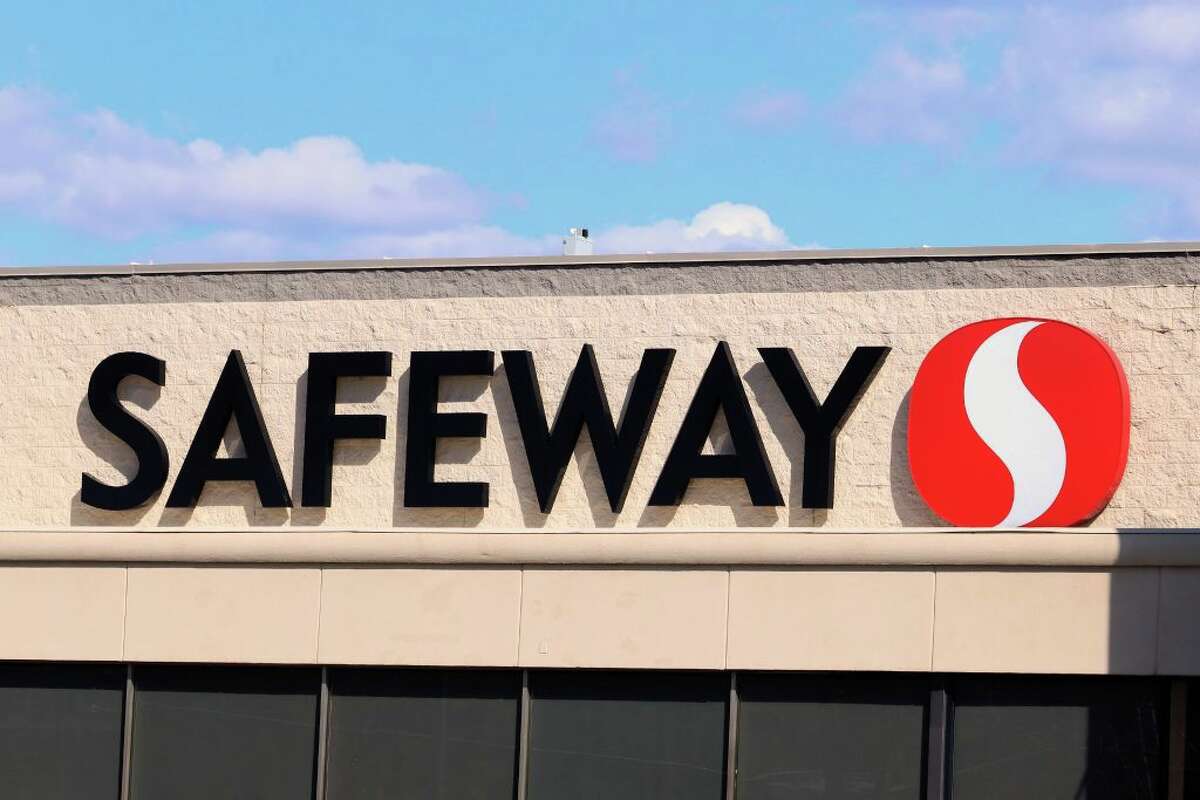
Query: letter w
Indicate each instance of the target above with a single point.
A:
(617, 448)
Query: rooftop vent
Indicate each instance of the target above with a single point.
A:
(577, 243)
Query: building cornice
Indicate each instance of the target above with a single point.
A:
(762, 548)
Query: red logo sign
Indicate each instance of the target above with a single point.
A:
(1018, 422)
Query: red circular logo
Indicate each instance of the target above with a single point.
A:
(1018, 422)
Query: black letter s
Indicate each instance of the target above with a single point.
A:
(146, 444)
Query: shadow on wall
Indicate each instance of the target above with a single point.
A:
(301, 515)
(113, 452)
(726, 493)
(365, 390)
(910, 508)
(790, 436)
(449, 451)
(118, 455)
(518, 462)
(242, 495)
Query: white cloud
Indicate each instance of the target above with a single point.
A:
(1170, 32)
(97, 173)
(636, 126)
(905, 96)
(1104, 91)
(319, 197)
(460, 242)
(770, 110)
(945, 23)
(721, 226)
(1110, 96)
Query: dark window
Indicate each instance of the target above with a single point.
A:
(230, 732)
(1191, 750)
(812, 736)
(446, 734)
(60, 731)
(1057, 738)
(603, 735)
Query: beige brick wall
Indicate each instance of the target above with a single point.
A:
(48, 351)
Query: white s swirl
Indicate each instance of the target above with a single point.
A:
(1017, 428)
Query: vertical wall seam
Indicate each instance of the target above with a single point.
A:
(728, 609)
(125, 615)
(933, 622)
(520, 618)
(320, 610)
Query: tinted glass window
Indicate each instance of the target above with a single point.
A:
(1191, 762)
(60, 731)
(1057, 738)
(805, 736)
(603, 735)
(446, 734)
(232, 733)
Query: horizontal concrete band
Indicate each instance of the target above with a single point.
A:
(915, 547)
(1137, 621)
(795, 271)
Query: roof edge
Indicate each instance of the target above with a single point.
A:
(628, 259)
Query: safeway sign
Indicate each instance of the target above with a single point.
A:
(1013, 422)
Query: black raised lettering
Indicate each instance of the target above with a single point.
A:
(585, 403)
(426, 425)
(146, 444)
(232, 399)
(821, 422)
(323, 427)
(720, 389)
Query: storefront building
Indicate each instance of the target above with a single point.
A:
(702, 526)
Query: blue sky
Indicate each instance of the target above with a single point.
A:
(143, 131)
